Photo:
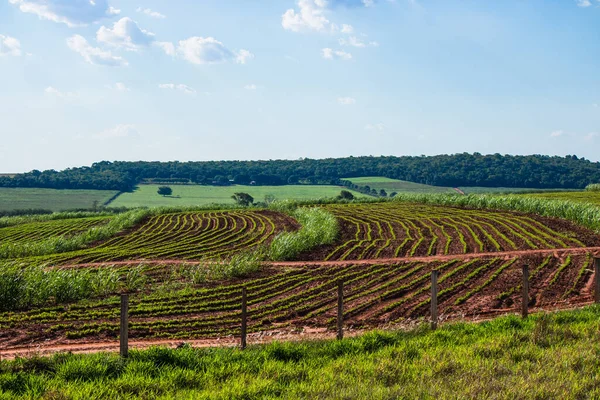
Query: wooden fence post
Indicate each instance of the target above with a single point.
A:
(434, 299)
(124, 333)
(244, 319)
(340, 310)
(525, 299)
(597, 277)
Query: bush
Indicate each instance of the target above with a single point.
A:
(594, 187)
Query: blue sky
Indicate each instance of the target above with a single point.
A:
(83, 81)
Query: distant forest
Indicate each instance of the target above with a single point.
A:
(496, 170)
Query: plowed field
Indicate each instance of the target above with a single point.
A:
(375, 294)
(387, 230)
(479, 255)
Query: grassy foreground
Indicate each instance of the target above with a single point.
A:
(52, 199)
(546, 356)
(197, 195)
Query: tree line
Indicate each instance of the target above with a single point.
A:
(495, 170)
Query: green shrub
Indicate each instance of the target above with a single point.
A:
(593, 187)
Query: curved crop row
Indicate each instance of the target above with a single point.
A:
(182, 236)
(374, 295)
(394, 229)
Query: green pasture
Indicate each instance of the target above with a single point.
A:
(547, 356)
(504, 190)
(51, 199)
(580, 197)
(395, 185)
(194, 195)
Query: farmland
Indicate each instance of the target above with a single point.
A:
(197, 195)
(400, 186)
(384, 253)
(395, 185)
(295, 297)
(192, 235)
(397, 230)
(52, 199)
(581, 196)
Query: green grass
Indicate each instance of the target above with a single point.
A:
(580, 197)
(547, 356)
(193, 195)
(395, 185)
(51, 199)
(501, 190)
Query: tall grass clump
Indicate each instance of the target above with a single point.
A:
(240, 265)
(319, 227)
(587, 215)
(593, 187)
(22, 288)
(59, 244)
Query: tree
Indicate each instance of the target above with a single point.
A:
(382, 193)
(346, 195)
(165, 191)
(242, 179)
(243, 199)
(393, 194)
(221, 180)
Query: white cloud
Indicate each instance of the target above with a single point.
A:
(331, 54)
(368, 3)
(167, 47)
(243, 56)
(309, 17)
(347, 29)
(9, 46)
(119, 131)
(149, 12)
(73, 13)
(119, 87)
(356, 42)
(584, 3)
(181, 87)
(591, 136)
(94, 55)
(125, 34)
(557, 133)
(379, 127)
(346, 101)
(251, 87)
(200, 50)
(55, 92)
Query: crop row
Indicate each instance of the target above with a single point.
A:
(392, 229)
(35, 231)
(374, 295)
(189, 235)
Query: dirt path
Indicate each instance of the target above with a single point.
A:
(503, 254)
(229, 341)
(307, 333)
